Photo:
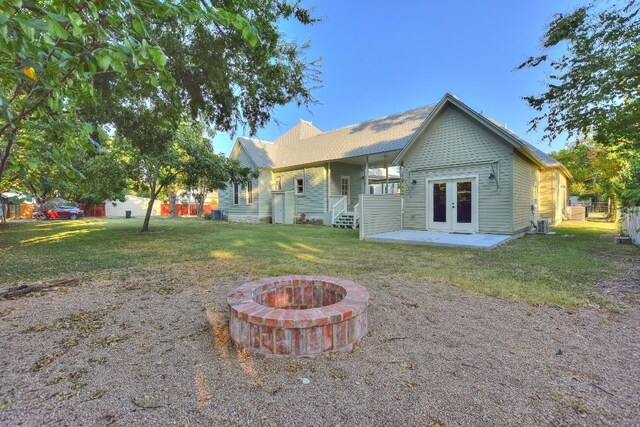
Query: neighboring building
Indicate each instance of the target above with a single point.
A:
(459, 171)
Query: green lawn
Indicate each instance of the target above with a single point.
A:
(559, 270)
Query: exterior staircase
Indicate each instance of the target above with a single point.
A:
(347, 220)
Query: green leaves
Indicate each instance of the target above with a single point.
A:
(593, 88)
(157, 55)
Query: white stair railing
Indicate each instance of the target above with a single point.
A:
(338, 208)
(356, 213)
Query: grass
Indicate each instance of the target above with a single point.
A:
(561, 270)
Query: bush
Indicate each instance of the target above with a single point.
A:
(207, 216)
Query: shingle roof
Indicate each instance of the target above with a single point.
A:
(389, 133)
(305, 144)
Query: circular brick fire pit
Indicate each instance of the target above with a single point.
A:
(295, 315)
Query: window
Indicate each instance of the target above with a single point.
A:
(249, 193)
(278, 184)
(299, 185)
(236, 193)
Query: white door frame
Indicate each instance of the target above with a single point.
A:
(473, 227)
(348, 178)
(278, 208)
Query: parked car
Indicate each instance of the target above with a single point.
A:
(60, 212)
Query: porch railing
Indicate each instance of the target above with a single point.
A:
(356, 212)
(338, 208)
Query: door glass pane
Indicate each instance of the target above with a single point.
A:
(440, 202)
(464, 202)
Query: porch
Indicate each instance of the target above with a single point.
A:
(418, 237)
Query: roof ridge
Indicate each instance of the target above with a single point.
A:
(263, 141)
(374, 119)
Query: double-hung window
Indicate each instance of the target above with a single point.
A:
(249, 193)
(236, 193)
(299, 185)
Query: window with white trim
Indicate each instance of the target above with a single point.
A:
(249, 193)
(236, 193)
(299, 184)
(278, 184)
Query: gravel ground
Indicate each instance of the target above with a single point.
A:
(129, 348)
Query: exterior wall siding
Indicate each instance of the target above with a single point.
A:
(354, 172)
(380, 213)
(454, 145)
(525, 185)
(265, 200)
(553, 194)
(242, 212)
(312, 203)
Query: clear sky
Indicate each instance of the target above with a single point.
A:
(380, 58)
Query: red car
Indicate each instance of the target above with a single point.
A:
(60, 212)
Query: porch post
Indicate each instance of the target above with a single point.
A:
(328, 186)
(366, 175)
(386, 184)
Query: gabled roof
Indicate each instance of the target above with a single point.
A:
(306, 144)
(301, 145)
(534, 154)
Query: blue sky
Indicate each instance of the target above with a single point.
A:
(380, 58)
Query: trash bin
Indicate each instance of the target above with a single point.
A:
(127, 214)
(216, 214)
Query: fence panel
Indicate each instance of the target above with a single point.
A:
(631, 224)
(380, 213)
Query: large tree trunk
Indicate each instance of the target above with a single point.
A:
(199, 204)
(147, 216)
(172, 196)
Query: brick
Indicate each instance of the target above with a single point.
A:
(327, 338)
(298, 341)
(314, 340)
(339, 335)
(283, 341)
(266, 339)
(297, 296)
(254, 337)
(243, 333)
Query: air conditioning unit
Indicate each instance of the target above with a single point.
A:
(543, 226)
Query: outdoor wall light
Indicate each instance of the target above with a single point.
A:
(492, 176)
(414, 182)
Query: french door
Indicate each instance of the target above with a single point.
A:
(451, 205)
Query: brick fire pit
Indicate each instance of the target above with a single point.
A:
(295, 315)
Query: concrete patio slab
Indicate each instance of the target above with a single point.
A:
(417, 237)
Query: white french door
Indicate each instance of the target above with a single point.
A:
(451, 205)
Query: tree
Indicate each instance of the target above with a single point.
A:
(51, 52)
(594, 88)
(220, 79)
(597, 171)
(203, 171)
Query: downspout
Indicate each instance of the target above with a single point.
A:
(366, 175)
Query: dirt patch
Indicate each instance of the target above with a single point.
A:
(135, 347)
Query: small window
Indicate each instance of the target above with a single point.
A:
(278, 184)
(249, 193)
(236, 193)
(299, 185)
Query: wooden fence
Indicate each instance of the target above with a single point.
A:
(631, 224)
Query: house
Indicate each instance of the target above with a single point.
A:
(459, 171)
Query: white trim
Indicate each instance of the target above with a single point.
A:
(295, 185)
(235, 185)
(348, 195)
(486, 123)
(248, 193)
(475, 196)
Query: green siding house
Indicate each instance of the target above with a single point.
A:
(459, 172)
